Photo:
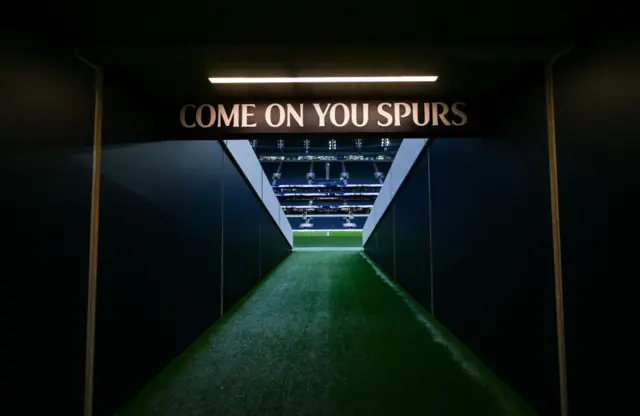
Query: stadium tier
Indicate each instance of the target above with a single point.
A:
(366, 172)
(327, 223)
(320, 203)
(320, 194)
(319, 170)
(269, 169)
(294, 173)
(297, 173)
(383, 167)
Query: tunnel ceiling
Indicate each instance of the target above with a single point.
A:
(170, 48)
(183, 71)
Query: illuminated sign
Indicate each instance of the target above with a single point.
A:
(329, 117)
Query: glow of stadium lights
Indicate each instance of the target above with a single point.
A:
(320, 80)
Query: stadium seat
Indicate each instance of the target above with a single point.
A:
(269, 169)
(360, 173)
(294, 173)
(327, 223)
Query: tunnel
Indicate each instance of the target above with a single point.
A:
(463, 246)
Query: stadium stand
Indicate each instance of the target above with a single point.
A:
(325, 197)
(360, 172)
(368, 201)
(297, 203)
(319, 170)
(383, 166)
(269, 169)
(294, 173)
(323, 179)
(326, 223)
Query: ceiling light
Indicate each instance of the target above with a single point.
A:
(314, 80)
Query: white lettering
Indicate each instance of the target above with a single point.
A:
(396, 112)
(427, 114)
(227, 118)
(281, 117)
(345, 116)
(440, 115)
(321, 114)
(457, 111)
(297, 116)
(246, 114)
(212, 116)
(183, 116)
(350, 114)
(365, 115)
(385, 114)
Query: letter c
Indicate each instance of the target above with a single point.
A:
(183, 116)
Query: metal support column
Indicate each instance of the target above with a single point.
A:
(92, 287)
(433, 310)
(555, 225)
(222, 167)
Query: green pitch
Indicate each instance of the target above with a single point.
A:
(324, 334)
(327, 238)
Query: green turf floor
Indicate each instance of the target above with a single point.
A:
(327, 238)
(326, 335)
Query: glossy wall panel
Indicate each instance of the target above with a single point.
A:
(159, 265)
(178, 247)
(46, 119)
(274, 247)
(381, 245)
(491, 243)
(597, 90)
(492, 265)
(412, 252)
(178, 243)
(241, 223)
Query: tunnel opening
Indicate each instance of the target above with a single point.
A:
(449, 307)
(327, 187)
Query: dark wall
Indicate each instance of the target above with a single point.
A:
(491, 242)
(380, 245)
(597, 90)
(179, 244)
(46, 121)
(411, 209)
(242, 226)
(160, 277)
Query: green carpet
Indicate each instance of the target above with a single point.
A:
(325, 335)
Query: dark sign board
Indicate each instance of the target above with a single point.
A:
(454, 119)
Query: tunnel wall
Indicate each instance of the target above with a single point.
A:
(402, 163)
(46, 118)
(183, 236)
(597, 90)
(245, 158)
(491, 282)
(162, 276)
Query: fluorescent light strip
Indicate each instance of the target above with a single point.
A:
(318, 80)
